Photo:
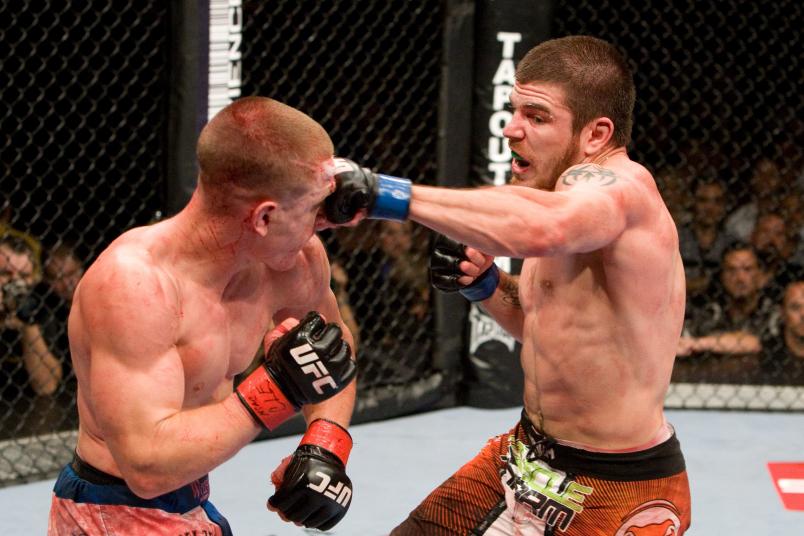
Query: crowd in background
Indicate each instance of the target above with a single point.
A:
(743, 251)
(36, 287)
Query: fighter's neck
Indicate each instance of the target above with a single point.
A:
(601, 157)
(209, 249)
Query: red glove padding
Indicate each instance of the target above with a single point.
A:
(308, 364)
(314, 490)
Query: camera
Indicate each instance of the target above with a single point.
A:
(14, 293)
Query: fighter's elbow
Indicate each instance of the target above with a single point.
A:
(143, 477)
(146, 485)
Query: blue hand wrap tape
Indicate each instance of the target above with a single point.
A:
(484, 286)
(393, 199)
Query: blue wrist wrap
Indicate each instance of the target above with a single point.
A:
(393, 199)
(484, 286)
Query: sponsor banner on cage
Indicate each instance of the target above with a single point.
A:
(788, 479)
(505, 31)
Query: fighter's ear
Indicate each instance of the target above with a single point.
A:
(261, 216)
(596, 135)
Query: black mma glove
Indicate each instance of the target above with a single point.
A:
(383, 196)
(308, 364)
(444, 271)
(315, 490)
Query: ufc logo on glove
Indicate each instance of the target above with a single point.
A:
(339, 492)
(305, 356)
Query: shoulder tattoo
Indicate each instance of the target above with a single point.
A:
(510, 291)
(589, 173)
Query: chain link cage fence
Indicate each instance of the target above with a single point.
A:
(84, 162)
(368, 72)
(718, 121)
(83, 137)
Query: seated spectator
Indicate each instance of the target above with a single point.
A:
(674, 186)
(389, 291)
(791, 209)
(783, 351)
(405, 267)
(767, 188)
(49, 303)
(28, 367)
(724, 333)
(703, 240)
(775, 244)
(7, 229)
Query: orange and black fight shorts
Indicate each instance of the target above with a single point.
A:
(526, 483)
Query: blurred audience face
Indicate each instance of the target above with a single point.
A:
(396, 239)
(710, 204)
(741, 275)
(16, 275)
(790, 208)
(15, 266)
(675, 192)
(766, 182)
(770, 238)
(793, 309)
(63, 271)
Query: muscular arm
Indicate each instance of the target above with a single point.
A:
(129, 315)
(520, 222)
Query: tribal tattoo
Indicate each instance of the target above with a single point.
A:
(589, 173)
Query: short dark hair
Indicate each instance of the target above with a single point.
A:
(739, 245)
(594, 75)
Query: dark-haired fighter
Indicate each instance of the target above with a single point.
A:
(598, 308)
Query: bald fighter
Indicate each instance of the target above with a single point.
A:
(169, 313)
(598, 306)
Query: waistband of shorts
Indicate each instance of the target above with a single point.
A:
(659, 461)
(82, 483)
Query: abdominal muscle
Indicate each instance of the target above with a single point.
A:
(593, 392)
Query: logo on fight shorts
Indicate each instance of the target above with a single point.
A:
(653, 518)
(310, 364)
(551, 495)
(340, 492)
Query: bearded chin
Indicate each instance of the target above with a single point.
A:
(568, 159)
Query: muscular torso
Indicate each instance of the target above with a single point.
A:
(217, 336)
(600, 334)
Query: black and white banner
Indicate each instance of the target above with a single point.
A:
(504, 32)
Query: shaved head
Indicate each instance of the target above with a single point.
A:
(257, 147)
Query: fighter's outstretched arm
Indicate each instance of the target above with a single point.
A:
(520, 222)
(589, 208)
